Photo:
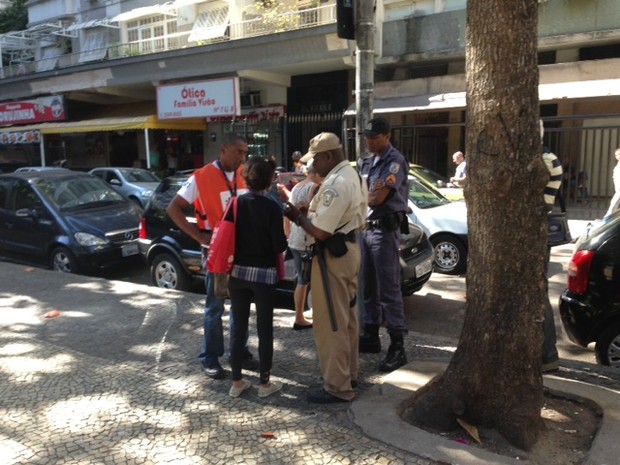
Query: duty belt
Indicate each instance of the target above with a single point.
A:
(383, 221)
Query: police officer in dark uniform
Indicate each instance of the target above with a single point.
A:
(386, 174)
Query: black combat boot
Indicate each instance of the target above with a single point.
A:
(396, 356)
(369, 341)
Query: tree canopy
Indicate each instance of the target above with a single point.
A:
(14, 18)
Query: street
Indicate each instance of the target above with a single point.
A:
(438, 308)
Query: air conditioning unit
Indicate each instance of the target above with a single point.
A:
(250, 99)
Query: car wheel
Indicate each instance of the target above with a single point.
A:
(608, 346)
(450, 255)
(63, 260)
(168, 273)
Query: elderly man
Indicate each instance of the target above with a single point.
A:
(461, 169)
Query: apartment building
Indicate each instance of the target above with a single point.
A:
(110, 70)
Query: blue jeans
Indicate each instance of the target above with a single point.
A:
(213, 342)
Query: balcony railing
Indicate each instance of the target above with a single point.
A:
(259, 26)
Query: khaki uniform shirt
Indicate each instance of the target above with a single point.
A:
(341, 203)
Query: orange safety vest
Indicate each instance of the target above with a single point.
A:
(214, 191)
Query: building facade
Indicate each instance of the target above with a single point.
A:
(106, 60)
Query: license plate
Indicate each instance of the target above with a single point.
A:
(129, 249)
(424, 268)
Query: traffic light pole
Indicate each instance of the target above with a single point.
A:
(364, 70)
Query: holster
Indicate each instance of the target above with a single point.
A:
(336, 245)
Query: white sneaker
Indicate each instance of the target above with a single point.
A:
(274, 386)
(236, 391)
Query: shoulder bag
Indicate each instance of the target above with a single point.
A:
(222, 250)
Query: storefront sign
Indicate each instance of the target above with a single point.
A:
(217, 97)
(32, 111)
(272, 113)
(20, 137)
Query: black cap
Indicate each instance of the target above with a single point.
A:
(377, 126)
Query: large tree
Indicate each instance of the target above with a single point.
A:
(494, 378)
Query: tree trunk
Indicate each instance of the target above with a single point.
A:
(494, 378)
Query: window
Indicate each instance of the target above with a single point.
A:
(25, 197)
(94, 47)
(151, 34)
(211, 24)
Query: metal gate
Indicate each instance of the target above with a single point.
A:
(299, 129)
(586, 147)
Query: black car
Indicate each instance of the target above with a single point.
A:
(175, 258)
(590, 306)
(66, 220)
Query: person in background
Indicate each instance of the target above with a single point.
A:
(335, 216)
(253, 278)
(386, 176)
(171, 160)
(298, 166)
(210, 188)
(302, 194)
(461, 169)
(550, 356)
(614, 204)
(154, 158)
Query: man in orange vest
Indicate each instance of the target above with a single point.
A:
(211, 187)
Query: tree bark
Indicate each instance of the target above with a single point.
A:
(494, 378)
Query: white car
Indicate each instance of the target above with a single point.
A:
(136, 184)
(444, 222)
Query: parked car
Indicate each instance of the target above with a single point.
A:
(66, 220)
(437, 181)
(29, 169)
(137, 184)
(590, 305)
(175, 259)
(443, 221)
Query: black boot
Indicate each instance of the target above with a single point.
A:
(396, 356)
(369, 341)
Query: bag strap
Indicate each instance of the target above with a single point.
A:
(232, 203)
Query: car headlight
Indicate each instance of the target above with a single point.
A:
(89, 240)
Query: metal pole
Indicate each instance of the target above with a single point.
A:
(147, 148)
(364, 70)
(42, 149)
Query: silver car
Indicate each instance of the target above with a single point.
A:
(136, 184)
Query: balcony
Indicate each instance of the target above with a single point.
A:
(254, 27)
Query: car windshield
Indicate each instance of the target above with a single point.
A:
(423, 197)
(78, 192)
(429, 176)
(139, 175)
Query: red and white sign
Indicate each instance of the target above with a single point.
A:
(200, 99)
(33, 111)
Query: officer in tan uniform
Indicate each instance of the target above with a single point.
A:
(333, 220)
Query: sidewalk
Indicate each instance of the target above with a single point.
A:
(114, 379)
